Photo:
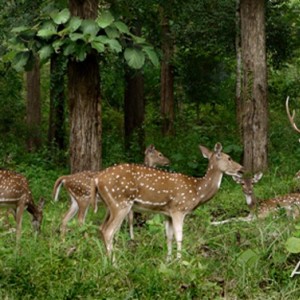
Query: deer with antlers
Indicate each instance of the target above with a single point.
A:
(262, 209)
(15, 194)
(129, 186)
(78, 187)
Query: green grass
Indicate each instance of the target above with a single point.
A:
(232, 261)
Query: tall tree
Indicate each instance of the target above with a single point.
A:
(254, 104)
(134, 107)
(33, 107)
(56, 129)
(84, 100)
(167, 75)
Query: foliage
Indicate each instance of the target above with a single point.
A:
(59, 32)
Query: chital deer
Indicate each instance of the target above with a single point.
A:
(78, 186)
(263, 208)
(130, 186)
(15, 194)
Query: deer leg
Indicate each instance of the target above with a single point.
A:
(130, 222)
(19, 217)
(169, 234)
(177, 221)
(111, 225)
(69, 215)
(82, 211)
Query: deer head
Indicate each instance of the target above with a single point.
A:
(155, 158)
(247, 187)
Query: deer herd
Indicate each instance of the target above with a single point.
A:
(126, 188)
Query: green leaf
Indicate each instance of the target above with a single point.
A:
(151, 55)
(89, 27)
(122, 27)
(114, 45)
(45, 52)
(102, 38)
(20, 60)
(135, 58)
(57, 45)
(60, 17)
(74, 24)
(293, 245)
(249, 257)
(99, 46)
(70, 49)
(105, 19)
(20, 29)
(76, 36)
(46, 33)
(112, 33)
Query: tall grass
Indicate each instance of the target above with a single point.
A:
(232, 261)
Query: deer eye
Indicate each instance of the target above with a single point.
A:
(229, 158)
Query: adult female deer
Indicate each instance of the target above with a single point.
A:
(129, 186)
(15, 194)
(78, 186)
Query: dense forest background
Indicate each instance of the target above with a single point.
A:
(202, 95)
(84, 95)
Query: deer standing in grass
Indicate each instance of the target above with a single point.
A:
(128, 186)
(78, 187)
(16, 195)
(262, 209)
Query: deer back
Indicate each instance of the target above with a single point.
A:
(13, 188)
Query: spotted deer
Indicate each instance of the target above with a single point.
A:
(78, 186)
(263, 208)
(129, 186)
(16, 195)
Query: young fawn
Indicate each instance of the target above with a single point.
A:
(289, 202)
(78, 187)
(16, 195)
(129, 186)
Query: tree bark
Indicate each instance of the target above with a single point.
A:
(254, 85)
(57, 130)
(84, 101)
(238, 49)
(134, 108)
(167, 77)
(33, 109)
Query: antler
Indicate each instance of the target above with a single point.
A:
(291, 117)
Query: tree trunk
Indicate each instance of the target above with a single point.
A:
(134, 108)
(84, 101)
(33, 107)
(56, 130)
(254, 85)
(167, 77)
(238, 67)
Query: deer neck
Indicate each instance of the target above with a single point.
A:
(209, 184)
(32, 209)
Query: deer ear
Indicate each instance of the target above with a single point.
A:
(150, 148)
(257, 177)
(237, 179)
(205, 152)
(218, 148)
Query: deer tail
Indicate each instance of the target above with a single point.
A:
(57, 186)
